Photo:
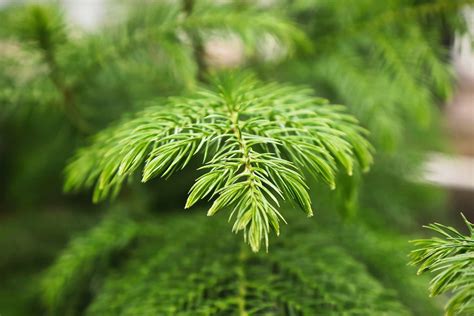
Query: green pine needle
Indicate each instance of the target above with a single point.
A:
(256, 140)
(451, 258)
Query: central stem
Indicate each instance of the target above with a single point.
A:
(242, 144)
(68, 103)
(242, 282)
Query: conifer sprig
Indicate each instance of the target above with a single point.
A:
(256, 140)
(451, 258)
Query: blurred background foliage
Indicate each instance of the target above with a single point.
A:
(388, 61)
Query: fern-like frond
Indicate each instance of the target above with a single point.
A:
(451, 258)
(256, 140)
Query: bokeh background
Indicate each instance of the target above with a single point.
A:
(68, 68)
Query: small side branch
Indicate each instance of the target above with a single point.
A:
(197, 43)
(68, 103)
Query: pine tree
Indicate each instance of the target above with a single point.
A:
(256, 144)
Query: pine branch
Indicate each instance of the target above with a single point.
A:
(451, 258)
(168, 41)
(382, 250)
(393, 56)
(46, 29)
(85, 256)
(387, 15)
(175, 28)
(249, 22)
(421, 107)
(185, 285)
(306, 274)
(196, 42)
(418, 11)
(257, 141)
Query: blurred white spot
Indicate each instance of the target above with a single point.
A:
(88, 14)
(450, 171)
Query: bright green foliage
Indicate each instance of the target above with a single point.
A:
(384, 254)
(306, 273)
(249, 22)
(257, 141)
(155, 46)
(61, 84)
(259, 144)
(388, 60)
(85, 255)
(451, 258)
(29, 242)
